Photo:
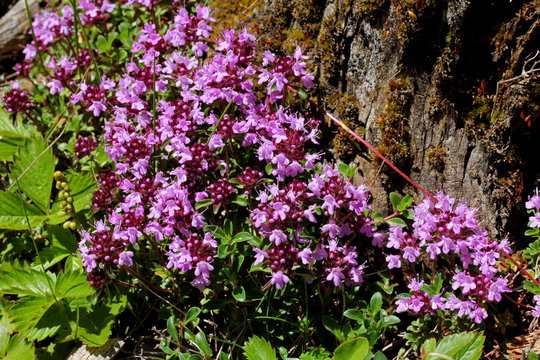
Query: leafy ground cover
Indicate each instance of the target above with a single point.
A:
(157, 176)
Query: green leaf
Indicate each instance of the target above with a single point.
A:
(333, 326)
(352, 349)
(239, 294)
(375, 303)
(37, 317)
(241, 200)
(94, 327)
(533, 355)
(406, 202)
(26, 282)
(531, 287)
(302, 93)
(202, 344)
(257, 348)
(50, 255)
(171, 328)
(62, 238)
(396, 222)
(202, 204)
(395, 199)
(345, 169)
(12, 212)
(73, 284)
(82, 187)
(429, 346)
(532, 232)
(462, 346)
(391, 320)
(191, 315)
(10, 137)
(354, 314)
(380, 356)
(243, 236)
(36, 176)
(17, 348)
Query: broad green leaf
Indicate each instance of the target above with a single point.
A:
(352, 349)
(36, 176)
(354, 314)
(462, 346)
(257, 348)
(429, 346)
(10, 136)
(26, 282)
(50, 255)
(72, 284)
(380, 356)
(395, 199)
(8, 145)
(375, 303)
(344, 169)
(202, 344)
(18, 349)
(82, 187)
(94, 327)
(63, 238)
(406, 202)
(4, 339)
(533, 355)
(191, 315)
(390, 320)
(37, 317)
(12, 212)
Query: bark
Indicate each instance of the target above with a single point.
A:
(426, 82)
(14, 27)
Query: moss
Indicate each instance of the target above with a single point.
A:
(435, 157)
(233, 14)
(370, 9)
(345, 107)
(393, 124)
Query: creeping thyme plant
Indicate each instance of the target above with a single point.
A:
(190, 194)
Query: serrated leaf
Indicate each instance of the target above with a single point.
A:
(72, 284)
(36, 317)
(462, 346)
(352, 349)
(63, 238)
(94, 327)
(531, 287)
(19, 349)
(257, 348)
(429, 346)
(12, 212)
(50, 256)
(26, 282)
(202, 344)
(10, 137)
(36, 182)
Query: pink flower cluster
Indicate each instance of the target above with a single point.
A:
(451, 233)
